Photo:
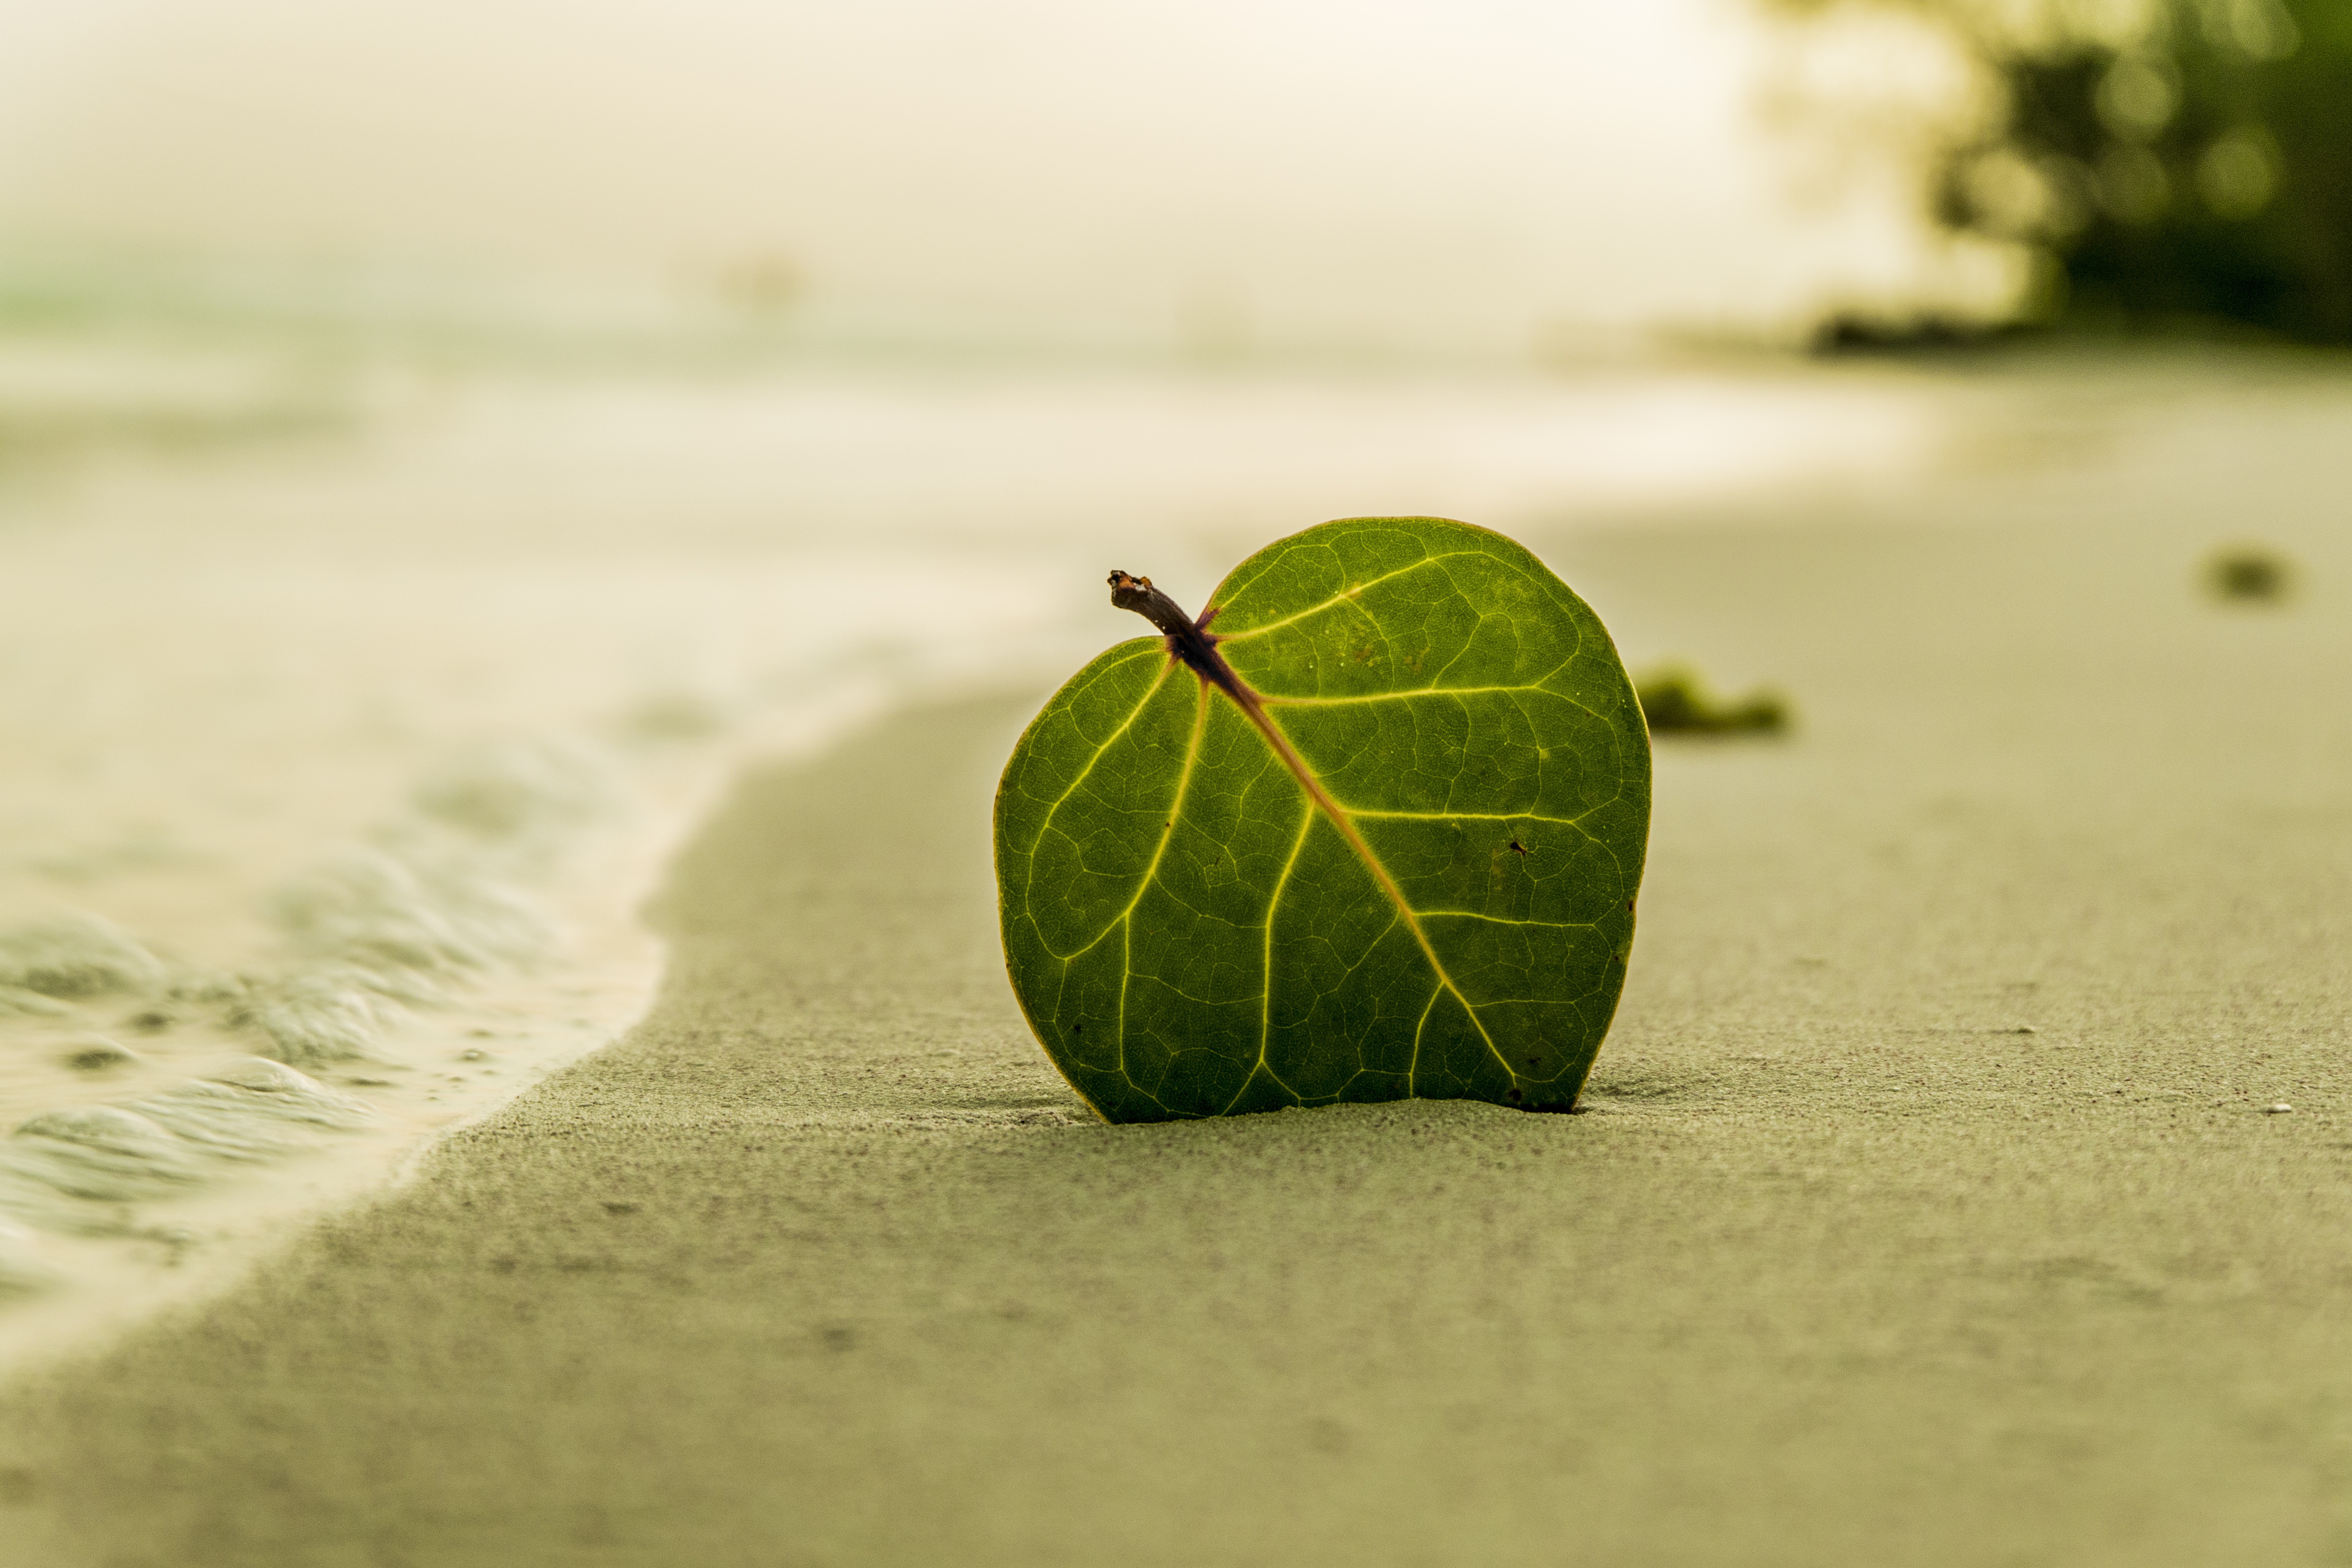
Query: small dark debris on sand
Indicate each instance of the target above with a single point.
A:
(2249, 575)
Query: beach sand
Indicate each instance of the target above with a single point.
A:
(823, 1264)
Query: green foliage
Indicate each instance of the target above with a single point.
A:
(1387, 846)
(2198, 168)
(2205, 172)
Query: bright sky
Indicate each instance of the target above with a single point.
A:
(1376, 170)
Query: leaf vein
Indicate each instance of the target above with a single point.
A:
(1265, 993)
(1344, 596)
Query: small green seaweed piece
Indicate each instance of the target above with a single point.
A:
(1676, 701)
(1377, 836)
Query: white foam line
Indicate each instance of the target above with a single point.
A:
(425, 984)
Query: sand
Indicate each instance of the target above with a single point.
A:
(823, 1264)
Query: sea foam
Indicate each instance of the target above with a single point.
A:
(74, 954)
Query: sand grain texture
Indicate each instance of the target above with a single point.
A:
(822, 1265)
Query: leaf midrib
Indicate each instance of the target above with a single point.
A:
(1247, 701)
(1320, 798)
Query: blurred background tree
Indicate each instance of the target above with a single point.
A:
(2167, 163)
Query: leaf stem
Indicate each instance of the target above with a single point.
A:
(1188, 640)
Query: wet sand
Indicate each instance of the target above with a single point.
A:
(823, 1264)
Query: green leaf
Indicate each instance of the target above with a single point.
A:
(1381, 841)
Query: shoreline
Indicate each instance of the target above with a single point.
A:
(110, 1237)
(1928, 1211)
(456, 953)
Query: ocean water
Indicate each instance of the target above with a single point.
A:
(349, 709)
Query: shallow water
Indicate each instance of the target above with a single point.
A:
(349, 741)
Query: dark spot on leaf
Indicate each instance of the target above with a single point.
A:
(1079, 1028)
(1519, 849)
(1515, 1097)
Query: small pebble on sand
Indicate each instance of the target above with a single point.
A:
(2281, 1109)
